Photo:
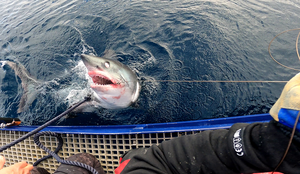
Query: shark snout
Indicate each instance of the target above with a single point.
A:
(84, 57)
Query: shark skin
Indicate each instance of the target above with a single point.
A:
(29, 85)
(115, 86)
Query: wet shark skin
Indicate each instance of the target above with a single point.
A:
(123, 91)
(124, 87)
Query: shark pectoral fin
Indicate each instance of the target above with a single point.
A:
(86, 107)
(26, 100)
(22, 104)
(73, 114)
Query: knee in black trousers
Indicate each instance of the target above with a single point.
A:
(85, 158)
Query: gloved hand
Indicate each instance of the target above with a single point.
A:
(287, 107)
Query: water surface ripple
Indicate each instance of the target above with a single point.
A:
(159, 40)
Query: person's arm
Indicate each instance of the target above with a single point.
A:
(244, 148)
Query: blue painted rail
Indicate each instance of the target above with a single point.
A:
(198, 125)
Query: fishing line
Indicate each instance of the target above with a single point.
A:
(289, 144)
(269, 48)
(218, 81)
(297, 119)
(257, 81)
(244, 81)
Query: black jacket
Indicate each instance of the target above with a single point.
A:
(244, 148)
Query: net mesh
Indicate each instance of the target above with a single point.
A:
(106, 148)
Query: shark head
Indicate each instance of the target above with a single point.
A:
(115, 85)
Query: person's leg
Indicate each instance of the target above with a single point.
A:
(85, 158)
(39, 170)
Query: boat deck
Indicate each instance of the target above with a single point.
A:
(107, 143)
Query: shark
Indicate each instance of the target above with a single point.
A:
(114, 85)
(29, 85)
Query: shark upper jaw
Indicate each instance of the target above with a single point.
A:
(102, 81)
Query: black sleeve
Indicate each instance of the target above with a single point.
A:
(244, 148)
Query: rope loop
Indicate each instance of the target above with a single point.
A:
(54, 154)
(37, 142)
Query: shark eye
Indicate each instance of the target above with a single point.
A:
(106, 64)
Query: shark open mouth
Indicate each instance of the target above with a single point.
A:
(101, 80)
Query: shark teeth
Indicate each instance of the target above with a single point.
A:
(101, 80)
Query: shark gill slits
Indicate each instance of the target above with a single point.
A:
(101, 80)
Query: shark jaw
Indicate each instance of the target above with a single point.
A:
(108, 89)
(102, 81)
(115, 85)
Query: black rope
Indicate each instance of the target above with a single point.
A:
(36, 140)
(54, 154)
(43, 126)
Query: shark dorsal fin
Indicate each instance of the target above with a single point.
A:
(108, 54)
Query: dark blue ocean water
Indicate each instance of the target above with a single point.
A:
(159, 40)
